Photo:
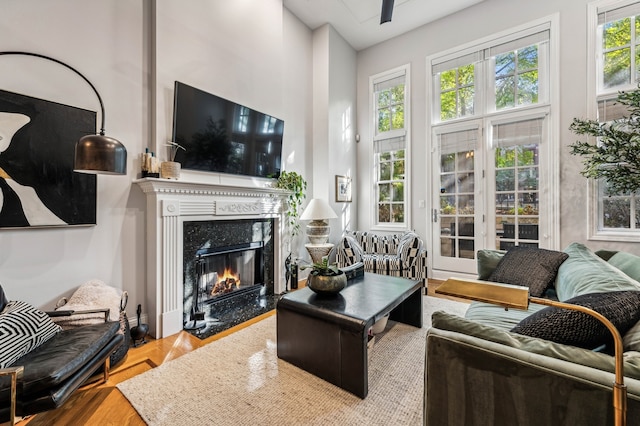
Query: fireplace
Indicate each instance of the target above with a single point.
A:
(170, 205)
(228, 265)
(230, 271)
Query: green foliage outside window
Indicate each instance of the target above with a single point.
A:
(391, 193)
(516, 76)
(457, 92)
(616, 46)
(391, 109)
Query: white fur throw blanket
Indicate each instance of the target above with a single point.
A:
(93, 294)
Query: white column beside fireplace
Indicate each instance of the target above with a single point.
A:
(170, 203)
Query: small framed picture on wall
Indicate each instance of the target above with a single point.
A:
(343, 189)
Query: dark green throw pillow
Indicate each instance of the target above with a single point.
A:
(575, 328)
(531, 267)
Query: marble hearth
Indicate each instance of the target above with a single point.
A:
(170, 204)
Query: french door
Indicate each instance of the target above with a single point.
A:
(457, 200)
(488, 185)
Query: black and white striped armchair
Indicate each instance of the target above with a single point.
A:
(401, 255)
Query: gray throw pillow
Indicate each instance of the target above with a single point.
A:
(575, 328)
(531, 267)
(487, 261)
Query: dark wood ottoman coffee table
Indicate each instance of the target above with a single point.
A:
(327, 335)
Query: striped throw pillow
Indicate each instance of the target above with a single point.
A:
(22, 329)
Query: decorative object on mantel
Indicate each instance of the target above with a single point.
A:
(325, 278)
(94, 153)
(613, 155)
(171, 169)
(149, 165)
(139, 331)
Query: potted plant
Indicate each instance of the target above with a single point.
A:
(296, 185)
(613, 154)
(325, 278)
(171, 169)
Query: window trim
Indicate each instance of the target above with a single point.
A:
(406, 133)
(595, 93)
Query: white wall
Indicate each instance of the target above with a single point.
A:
(334, 109)
(482, 20)
(252, 51)
(105, 42)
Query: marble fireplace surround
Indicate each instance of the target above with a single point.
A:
(170, 203)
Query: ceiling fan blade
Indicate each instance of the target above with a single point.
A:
(387, 11)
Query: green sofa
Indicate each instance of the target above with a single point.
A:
(478, 372)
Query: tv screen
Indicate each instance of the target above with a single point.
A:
(222, 136)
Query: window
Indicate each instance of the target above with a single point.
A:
(457, 89)
(517, 182)
(390, 104)
(616, 55)
(516, 77)
(492, 147)
(513, 69)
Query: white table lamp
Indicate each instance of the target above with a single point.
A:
(318, 212)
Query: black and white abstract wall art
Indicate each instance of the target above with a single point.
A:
(38, 187)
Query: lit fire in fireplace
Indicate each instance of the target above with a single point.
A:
(226, 283)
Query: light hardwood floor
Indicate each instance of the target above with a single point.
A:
(101, 403)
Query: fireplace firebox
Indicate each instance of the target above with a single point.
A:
(228, 271)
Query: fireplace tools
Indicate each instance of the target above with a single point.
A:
(197, 316)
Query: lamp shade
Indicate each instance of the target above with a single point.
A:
(100, 154)
(318, 209)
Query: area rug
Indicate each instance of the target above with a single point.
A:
(239, 380)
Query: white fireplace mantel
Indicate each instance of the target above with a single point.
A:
(170, 203)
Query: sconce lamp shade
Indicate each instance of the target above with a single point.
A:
(94, 153)
(318, 212)
(100, 154)
(318, 209)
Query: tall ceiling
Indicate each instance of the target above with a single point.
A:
(358, 21)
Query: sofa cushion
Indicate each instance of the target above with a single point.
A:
(22, 329)
(350, 249)
(584, 272)
(381, 263)
(631, 339)
(526, 344)
(409, 248)
(487, 261)
(497, 316)
(575, 328)
(52, 363)
(627, 263)
(531, 267)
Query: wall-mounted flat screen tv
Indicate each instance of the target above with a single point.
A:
(224, 137)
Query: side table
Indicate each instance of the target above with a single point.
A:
(318, 251)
